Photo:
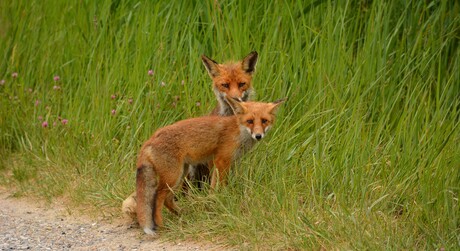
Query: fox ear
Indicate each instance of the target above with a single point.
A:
(211, 66)
(237, 106)
(275, 104)
(249, 62)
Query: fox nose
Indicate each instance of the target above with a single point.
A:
(258, 136)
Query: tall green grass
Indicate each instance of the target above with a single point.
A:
(365, 154)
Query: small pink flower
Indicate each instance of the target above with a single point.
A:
(163, 83)
(54, 123)
(37, 102)
(198, 103)
(56, 78)
(57, 87)
(44, 124)
(130, 101)
(2, 82)
(14, 75)
(150, 72)
(114, 112)
(40, 118)
(64, 121)
(113, 96)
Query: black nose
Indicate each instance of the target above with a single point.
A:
(258, 136)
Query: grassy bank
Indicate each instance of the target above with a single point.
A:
(365, 153)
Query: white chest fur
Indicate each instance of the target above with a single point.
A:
(246, 143)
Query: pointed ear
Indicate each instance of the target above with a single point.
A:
(211, 66)
(249, 62)
(237, 107)
(275, 104)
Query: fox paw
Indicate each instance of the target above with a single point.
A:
(149, 231)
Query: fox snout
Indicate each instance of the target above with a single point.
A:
(258, 136)
(240, 97)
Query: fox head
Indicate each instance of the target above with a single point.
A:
(232, 79)
(256, 118)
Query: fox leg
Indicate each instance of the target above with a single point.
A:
(160, 198)
(146, 186)
(219, 174)
(171, 205)
(165, 195)
(176, 183)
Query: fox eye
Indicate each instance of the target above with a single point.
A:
(250, 121)
(241, 84)
(225, 85)
(264, 121)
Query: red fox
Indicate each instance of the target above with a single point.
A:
(232, 79)
(164, 158)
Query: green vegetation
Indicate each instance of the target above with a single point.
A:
(365, 153)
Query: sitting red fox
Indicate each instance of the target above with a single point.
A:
(233, 79)
(164, 158)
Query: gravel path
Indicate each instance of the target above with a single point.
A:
(27, 225)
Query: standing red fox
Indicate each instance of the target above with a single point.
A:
(165, 157)
(232, 79)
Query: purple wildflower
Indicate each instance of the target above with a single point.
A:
(56, 78)
(44, 124)
(113, 96)
(2, 82)
(150, 72)
(37, 102)
(14, 75)
(114, 112)
(64, 121)
(130, 101)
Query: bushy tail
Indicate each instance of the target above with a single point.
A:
(146, 187)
